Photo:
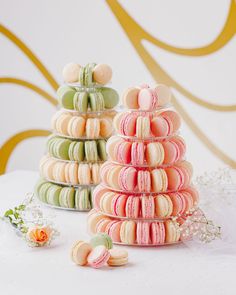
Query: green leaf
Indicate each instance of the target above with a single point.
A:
(21, 207)
(8, 213)
(16, 215)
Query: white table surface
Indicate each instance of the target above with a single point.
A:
(165, 270)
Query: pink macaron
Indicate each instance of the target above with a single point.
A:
(118, 205)
(132, 207)
(147, 99)
(148, 206)
(98, 192)
(123, 152)
(157, 232)
(171, 152)
(173, 117)
(128, 178)
(160, 127)
(98, 257)
(144, 181)
(137, 153)
(113, 230)
(176, 178)
(128, 124)
(143, 236)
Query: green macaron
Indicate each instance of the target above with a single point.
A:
(82, 199)
(96, 101)
(110, 97)
(53, 195)
(101, 147)
(43, 191)
(65, 96)
(81, 76)
(61, 148)
(101, 239)
(80, 101)
(91, 151)
(88, 74)
(38, 186)
(67, 197)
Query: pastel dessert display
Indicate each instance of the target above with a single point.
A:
(76, 150)
(98, 253)
(145, 192)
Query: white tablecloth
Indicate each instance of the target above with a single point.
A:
(165, 270)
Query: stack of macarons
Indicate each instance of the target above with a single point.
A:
(144, 180)
(146, 189)
(71, 173)
(69, 197)
(83, 100)
(98, 252)
(131, 232)
(145, 98)
(83, 126)
(88, 75)
(139, 153)
(77, 148)
(146, 125)
(160, 206)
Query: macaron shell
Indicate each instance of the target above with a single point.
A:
(159, 127)
(106, 127)
(102, 74)
(118, 257)
(173, 117)
(110, 97)
(147, 99)
(80, 252)
(130, 98)
(70, 72)
(98, 257)
(163, 93)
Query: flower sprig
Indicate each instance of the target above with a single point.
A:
(30, 223)
(196, 225)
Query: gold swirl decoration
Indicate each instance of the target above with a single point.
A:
(8, 147)
(136, 34)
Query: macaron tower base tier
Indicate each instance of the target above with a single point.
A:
(70, 168)
(146, 192)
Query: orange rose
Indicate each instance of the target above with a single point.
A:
(39, 235)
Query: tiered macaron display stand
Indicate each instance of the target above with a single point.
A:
(146, 192)
(70, 168)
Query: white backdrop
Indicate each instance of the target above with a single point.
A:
(84, 31)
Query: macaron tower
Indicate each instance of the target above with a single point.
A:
(75, 151)
(146, 192)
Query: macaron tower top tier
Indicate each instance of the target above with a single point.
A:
(70, 168)
(146, 192)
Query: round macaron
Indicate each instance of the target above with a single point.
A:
(118, 257)
(101, 239)
(130, 98)
(80, 252)
(71, 72)
(98, 257)
(102, 74)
